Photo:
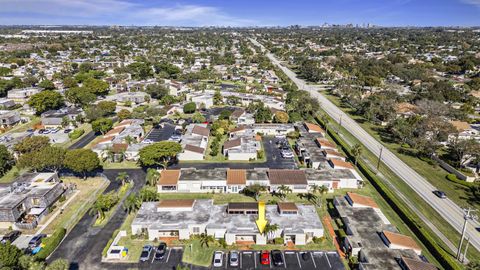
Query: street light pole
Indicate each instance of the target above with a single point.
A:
(379, 157)
(466, 217)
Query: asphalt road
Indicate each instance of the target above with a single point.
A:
(86, 139)
(83, 246)
(450, 211)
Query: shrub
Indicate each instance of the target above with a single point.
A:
(452, 177)
(50, 243)
(189, 107)
(77, 133)
(278, 240)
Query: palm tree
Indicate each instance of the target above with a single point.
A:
(152, 176)
(98, 209)
(356, 152)
(325, 121)
(132, 203)
(206, 239)
(284, 190)
(269, 230)
(122, 176)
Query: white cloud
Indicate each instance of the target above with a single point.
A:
(113, 12)
(472, 2)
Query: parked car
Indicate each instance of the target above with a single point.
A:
(287, 154)
(440, 194)
(41, 131)
(145, 255)
(67, 130)
(36, 240)
(265, 257)
(11, 236)
(30, 130)
(234, 257)
(55, 130)
(277, 257)
(161, 250)
(175, 138)
(218, 259)
(305, 256)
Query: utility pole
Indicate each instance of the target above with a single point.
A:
(468, 215)
(379, 157)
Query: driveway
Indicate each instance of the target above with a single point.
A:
(86, 139)
(84, 244)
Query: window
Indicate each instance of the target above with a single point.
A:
(35, 201)
(196, 229)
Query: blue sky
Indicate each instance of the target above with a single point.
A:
(241, 12)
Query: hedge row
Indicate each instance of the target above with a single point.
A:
(76, 134)
(50, 243)
(452, 177)
(412, 221)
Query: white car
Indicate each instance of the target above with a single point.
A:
(287, 154)
(218, 259)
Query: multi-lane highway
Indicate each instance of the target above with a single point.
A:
(450, 211)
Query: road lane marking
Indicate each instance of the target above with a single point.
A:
(284, 261)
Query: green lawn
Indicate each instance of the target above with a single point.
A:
(393, 180)
(121, 194)
(460, 194)
(12, 174)
(89, 190)
(120, 165)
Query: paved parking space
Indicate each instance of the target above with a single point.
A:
(161, 133)
(312, 260)
(22, 241)
(274, 154)
(172, 258)
(58, 137)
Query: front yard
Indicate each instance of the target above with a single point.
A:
(89, 190)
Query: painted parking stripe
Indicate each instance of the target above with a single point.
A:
(255, 260)
(284, 261)
(168, 256)
(298, 259)
(328, 261)
(226, 261)
(313, 259)
(240, 260)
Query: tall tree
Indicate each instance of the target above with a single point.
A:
(102, 125)
(157, 153)
(81, 161)
(6, 160)
(31, 144)
(46, 100)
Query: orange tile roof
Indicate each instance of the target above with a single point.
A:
(169, 177)
(105, 139)
(115, 131)
(314, 128)
(193, 148)
(325, 143)
(362, 200)
(332, 152)
(179, 203)
(340, 163)
(119, 147)
(405, 107)
(236, 177)
(203, 131)
(401, 240)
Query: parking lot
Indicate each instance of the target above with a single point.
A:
(320, 260)
(58, 137)
(160, 133)
(274, 154)
(172, 258)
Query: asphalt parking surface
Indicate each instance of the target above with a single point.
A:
(173, 258)
(313, 260)
(274, 154)
(158, 134)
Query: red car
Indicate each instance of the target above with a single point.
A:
(265, 257)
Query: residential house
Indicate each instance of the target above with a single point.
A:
(22, 95)
(233, 222)
(25, 201)
(55, 118)
(9, 118)
(194, 142)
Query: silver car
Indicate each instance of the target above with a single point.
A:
(234, 257)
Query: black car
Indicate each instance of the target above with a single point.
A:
(305, 256)
(277, 257)
(161, 250)
(36, 240)
(440, 194)
(11, 236)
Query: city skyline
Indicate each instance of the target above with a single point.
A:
(240, 13)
